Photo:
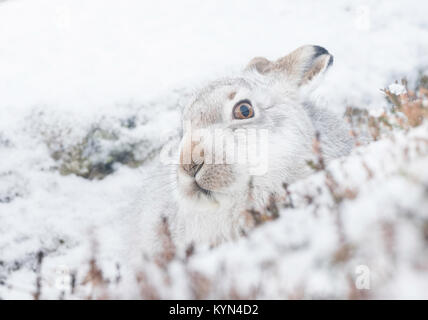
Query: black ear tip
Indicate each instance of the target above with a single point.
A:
(330, 61)
(320, 51)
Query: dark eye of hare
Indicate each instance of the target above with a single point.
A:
(243, 110)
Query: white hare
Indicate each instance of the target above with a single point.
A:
(211, 195)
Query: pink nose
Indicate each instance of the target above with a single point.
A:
(188, 162)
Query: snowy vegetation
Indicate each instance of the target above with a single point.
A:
(91, 91)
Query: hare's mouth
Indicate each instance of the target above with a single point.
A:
(201, 190)
(193, 190)
(200, 193)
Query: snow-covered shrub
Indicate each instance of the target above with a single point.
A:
(95, 147)
(355, 229)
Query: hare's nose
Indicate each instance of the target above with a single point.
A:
(192, 159)
(192, 169)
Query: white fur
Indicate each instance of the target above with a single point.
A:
(274, 89)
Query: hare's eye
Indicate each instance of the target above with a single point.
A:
(243, 110)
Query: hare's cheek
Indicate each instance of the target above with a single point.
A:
(216, 177)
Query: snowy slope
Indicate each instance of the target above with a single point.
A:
(91, 89)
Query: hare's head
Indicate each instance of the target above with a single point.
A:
(245, 136)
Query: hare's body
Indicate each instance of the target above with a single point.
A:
(212, 192)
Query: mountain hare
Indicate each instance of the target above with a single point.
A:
(261, 108)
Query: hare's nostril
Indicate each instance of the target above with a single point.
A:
(198, 167)
(193, 168)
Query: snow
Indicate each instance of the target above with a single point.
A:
(109, 76)
(397, 89)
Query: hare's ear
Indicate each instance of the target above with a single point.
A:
(301, 66)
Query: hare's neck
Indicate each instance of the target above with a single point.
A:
(209, 223)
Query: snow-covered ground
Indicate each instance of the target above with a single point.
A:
(89, 92)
